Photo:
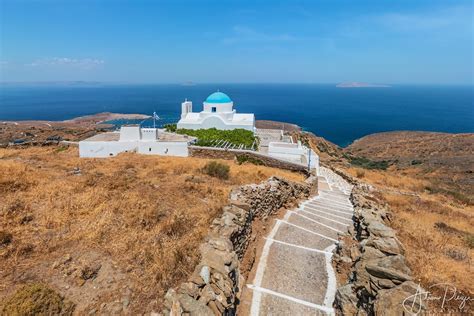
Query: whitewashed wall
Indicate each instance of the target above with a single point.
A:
(179, 149)
(294, 153)
(88, 149)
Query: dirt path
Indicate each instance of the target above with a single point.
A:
(294, 274)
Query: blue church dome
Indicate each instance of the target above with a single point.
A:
(218, 97)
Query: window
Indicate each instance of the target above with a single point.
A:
(213, 109)
(149, 148)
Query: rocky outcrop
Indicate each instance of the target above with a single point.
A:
(215, 285)
(380, 282)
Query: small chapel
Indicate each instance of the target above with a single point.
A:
(218, 112)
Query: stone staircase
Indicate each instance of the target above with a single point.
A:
(294, 274)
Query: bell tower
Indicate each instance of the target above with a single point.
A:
(186, 107)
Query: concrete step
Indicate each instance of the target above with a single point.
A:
(345, 218)
(348, 210)
(332, 210)
(296, 272)
(334, 194)
(341, 198)
(338, 226)
(298, 235)
(312, 225)
(327, 199)
(278, 304)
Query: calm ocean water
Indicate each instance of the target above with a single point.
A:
(340, 115)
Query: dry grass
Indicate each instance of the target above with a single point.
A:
(436, 229)
(144, 215)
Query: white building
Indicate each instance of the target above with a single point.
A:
(218, 112)
(150, 141)
(294, 152)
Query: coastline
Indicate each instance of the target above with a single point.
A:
(79, 127)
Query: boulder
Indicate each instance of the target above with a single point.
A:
(240, 204)
(362, 277)
(355, 252)
(176, 309)
(400, 300)
(215, 309)
(376, 228)
(192, 306)
(205, 274)
(207, 295)
(216, 259)
(189, 288)
(196, 277)
(388, 245)
(372, 253)
(346, 300)
(391, 267)
(221, 244)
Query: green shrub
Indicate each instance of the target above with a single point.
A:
(61, 148)
(171, 128)
(455, 194)
(246, 158)
(367, 163)
(36, 299)
(360, 174)
(207, 137)
(5, 238)
(469, 239)
(217, 170)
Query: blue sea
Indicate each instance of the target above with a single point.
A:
(340, 115)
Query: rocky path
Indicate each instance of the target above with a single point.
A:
(294, 273)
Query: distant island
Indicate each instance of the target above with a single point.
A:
(361, 85)
(188, 83)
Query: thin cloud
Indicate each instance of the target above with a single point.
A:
(83, 63)
(459, 16)
(246, 34)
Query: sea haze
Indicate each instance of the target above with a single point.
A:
(340, 115)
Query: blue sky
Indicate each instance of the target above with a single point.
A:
(237, 41)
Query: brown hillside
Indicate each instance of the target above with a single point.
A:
(429, 186)
(446, 160)
(107, 234)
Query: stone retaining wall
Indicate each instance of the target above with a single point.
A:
(231, 154)
(215, 286)
(380, 282)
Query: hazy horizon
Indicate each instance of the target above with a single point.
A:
(79, 82)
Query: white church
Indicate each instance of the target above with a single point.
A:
(218, 112)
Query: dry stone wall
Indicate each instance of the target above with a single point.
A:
(380, 282)
(231, 154)
(215, 285)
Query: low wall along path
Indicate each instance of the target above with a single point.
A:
(294, 274)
